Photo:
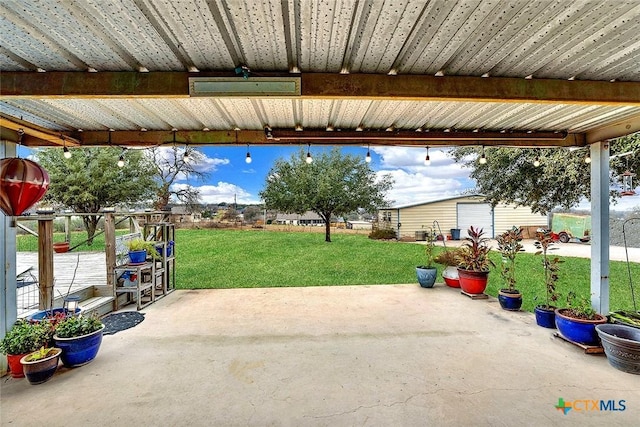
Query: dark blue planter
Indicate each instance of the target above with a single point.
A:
(545, 318)
(510, 300)
(137, 257)
(426, 276)
(42, 314)
(78, 351)
(578, 330)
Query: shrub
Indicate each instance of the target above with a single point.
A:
(382, 234)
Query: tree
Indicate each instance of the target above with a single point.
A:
(252, 213)
(171, 165)
(561, 180)
(333, 184)
(90, 180)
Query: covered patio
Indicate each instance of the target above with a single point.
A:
(329, 356)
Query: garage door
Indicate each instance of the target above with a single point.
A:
(476, 214)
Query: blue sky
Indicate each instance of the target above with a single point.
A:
(229, 176)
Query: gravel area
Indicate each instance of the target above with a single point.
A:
(631, 231)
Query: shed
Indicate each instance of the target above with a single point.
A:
(458, 212)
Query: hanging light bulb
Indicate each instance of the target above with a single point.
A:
(368, 158)
(309, 158)
(65, 151)
(121, 160)
(536, 162)
(427, 160)
(587, 158)
(248, 158)
(186, 157)
(483, 158)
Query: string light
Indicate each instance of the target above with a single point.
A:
(536, 162)
(587, 158)
(427, 160)
(309, 158)
(186, 157)
(248, 158)
(368, 158)
(121, 160)
(483, 158)
(65, 151)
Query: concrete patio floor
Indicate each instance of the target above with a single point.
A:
(327, 356)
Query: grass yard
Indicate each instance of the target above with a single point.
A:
(214, 258)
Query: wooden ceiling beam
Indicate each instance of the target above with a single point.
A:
(318, 137)
(34, 136)
(328, 86)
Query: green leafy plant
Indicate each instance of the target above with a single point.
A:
(383, 234)
(509, 244)
(139, 244)
(26, 337)
(75, 326)
(551, 265)
(579, 307)
(429, 248)
(474, 255)
(41, 353)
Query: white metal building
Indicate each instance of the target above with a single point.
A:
(459, 212)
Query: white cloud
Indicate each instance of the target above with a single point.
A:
(415, 182)
(222, 192)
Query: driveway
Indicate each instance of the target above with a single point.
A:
(387, 355)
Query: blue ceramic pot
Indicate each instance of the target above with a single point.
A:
(510, 300)
(578, 330)
(545, 318)
(426, 276)
(137, 257)
(43, 314)
(78, 351)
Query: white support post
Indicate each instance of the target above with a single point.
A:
(600, 227)
(8, 301)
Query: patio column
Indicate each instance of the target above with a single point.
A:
(45, 262)
(8, 301)
(600, 227)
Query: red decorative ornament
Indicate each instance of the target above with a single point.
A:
(22, 184)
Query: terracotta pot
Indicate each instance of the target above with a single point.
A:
(473, 282)
(15, 367)
(61, 247)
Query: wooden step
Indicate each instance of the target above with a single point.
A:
(98, 305)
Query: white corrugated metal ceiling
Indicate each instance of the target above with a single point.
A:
(564, 39)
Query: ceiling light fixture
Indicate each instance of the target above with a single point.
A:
(427, 160)
(309, 159)
(483, 158)
(248, 157)
(368, 157)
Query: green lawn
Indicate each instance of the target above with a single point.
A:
(213, 258)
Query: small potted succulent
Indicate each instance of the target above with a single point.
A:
(545, 313)
(40, 365)
(79, 337)
(427, 273)
(509, 244)
(23, 338)
(474, 262)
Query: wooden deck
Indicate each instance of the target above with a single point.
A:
(72, 272)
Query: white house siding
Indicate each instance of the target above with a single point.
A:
(421, 217)
(506, 216)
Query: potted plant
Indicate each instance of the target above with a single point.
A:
(449, 259)
(545, 313)
(474, 262)
(578, 322)
(139, 249)
(23, 338)
(40, 365)
(427, 273)
(79, 337)
(509, 244)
